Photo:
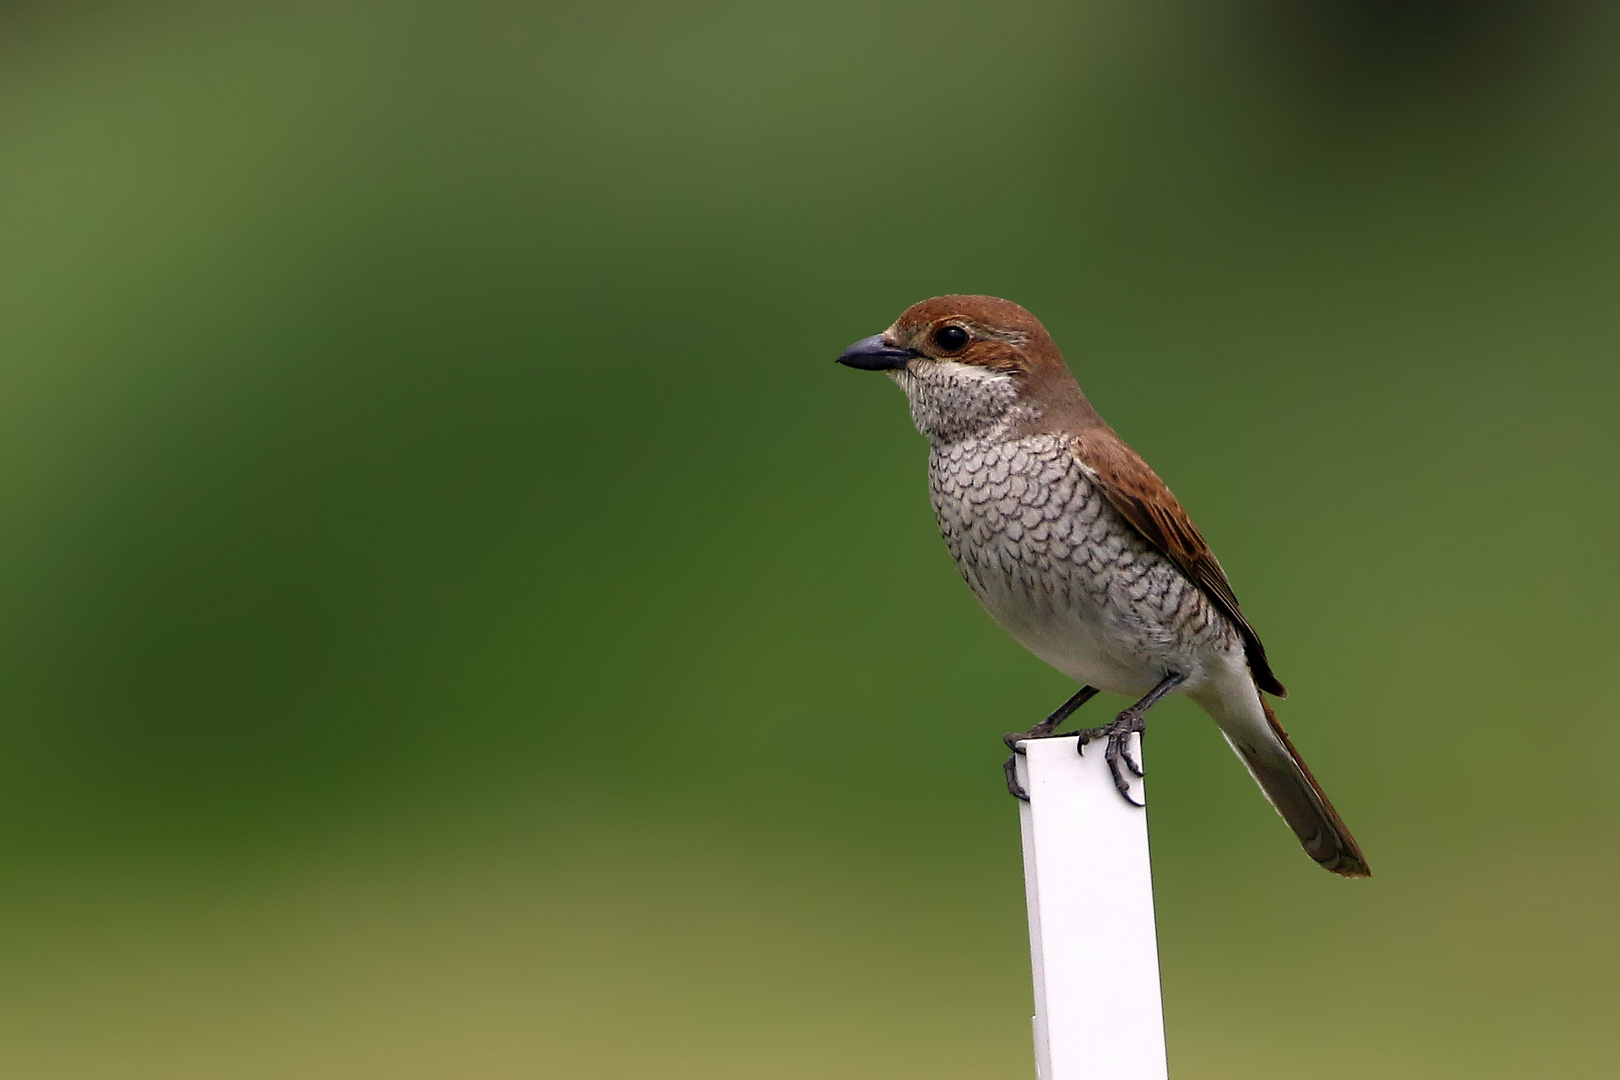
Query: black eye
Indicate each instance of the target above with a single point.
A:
(950, 338)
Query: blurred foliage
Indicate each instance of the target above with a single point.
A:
(458, 621)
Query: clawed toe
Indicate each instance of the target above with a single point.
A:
(1046, 729)
(1116, 737)
(1014, 788)
(1131, 763)
(1119, 762)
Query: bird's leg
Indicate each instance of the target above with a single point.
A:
(1046, 729)
(1118, 733)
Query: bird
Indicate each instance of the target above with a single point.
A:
(1075, 546)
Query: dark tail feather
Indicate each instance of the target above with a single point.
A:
(1276, 766)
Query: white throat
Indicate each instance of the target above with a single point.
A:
(951, 401)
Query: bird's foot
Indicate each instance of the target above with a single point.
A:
(1117, 753)
(1010, 768)
(1133, 721)
(1046, 729)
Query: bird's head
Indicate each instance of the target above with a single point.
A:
(969, 364)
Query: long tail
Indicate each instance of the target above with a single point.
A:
(1277, 767)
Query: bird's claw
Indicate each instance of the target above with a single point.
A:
(1046, 729)
(1010, 767)
(1134, 765)
(1117, 751)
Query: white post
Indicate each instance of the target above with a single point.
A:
(1087, 879)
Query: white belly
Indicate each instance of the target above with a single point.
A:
(1070, 579)
(1083, 642)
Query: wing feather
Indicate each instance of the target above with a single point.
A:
(1135, 490)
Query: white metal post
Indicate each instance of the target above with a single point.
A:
(1087, 879)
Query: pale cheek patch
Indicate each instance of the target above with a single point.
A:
(967, 373)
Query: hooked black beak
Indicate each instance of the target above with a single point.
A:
(875, 354)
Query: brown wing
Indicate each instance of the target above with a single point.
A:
(1136, 491)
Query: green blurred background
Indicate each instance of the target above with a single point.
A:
(458, 622)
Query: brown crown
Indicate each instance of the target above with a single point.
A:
(1001, 335)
